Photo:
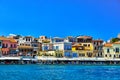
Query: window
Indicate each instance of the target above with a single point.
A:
(46, 48)
(81, 55)
(0, 43)
(117, 50)
(3, 45)
(85, 45)
(95, 48)
(110, 55)
(11, 45)
(6, 45)
(114, 56)
(88, 45)
(67, 47)
(106, 55)
(97, 43)
(14, 45)
(57, 47)
(29, 39)
(108, 50)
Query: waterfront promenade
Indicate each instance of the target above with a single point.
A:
(60, 59)
(52, 60)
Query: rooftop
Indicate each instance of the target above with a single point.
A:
(8, 39)
(117, 42)
(86, 37)
(108, 45)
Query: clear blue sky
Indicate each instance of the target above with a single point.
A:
(98, 18)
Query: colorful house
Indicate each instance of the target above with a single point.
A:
(112, 50)
(57, 49)
(25, 50)
(37, 46)
(98, 48)
(116, 47)
(63, 49)
(108, 50)
(13, 47)
(83, 47)
(8, 46)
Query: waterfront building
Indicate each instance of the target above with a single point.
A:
(8, 46)
(116, 47)
(108, 50)
(25, 50)
(77, 49)
(98, 48)
(13, 47)
(112, 50)
(57, 49)
(25, 45)
(84, 46)
(28, 40)
(46, 48)
(83, 49)
(24, 40)
(37, 46)
(63, 49)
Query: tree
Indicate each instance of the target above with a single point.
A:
(115, 40)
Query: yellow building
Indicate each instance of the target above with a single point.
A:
(111, 50)
(83, 47)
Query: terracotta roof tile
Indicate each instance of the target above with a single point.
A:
(3, 38)
(116, 43)
(108, 45)
(12, 40)
(8, 39)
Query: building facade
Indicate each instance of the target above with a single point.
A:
(98, 48)
(112, 50)
(8, 46)
(84, 46)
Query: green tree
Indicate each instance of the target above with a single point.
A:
(115, 40)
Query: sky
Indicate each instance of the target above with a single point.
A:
(97, 18)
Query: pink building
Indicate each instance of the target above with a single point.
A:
(9, 46)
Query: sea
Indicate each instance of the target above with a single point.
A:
(59, 72)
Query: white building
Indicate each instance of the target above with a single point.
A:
(62, 46)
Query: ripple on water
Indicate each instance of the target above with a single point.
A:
(59, 72)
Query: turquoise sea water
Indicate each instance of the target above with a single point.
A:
(59, 72)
